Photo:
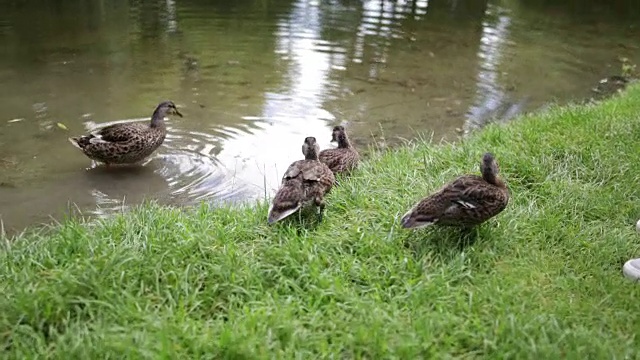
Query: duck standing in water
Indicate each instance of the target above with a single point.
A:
(305, 183)
(126, 143)
(467, 201)
(344, 158)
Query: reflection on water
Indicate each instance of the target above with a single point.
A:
(491, 95)
(115, 188)
(287, 117)
(254, 78)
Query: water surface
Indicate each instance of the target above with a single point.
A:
(253, 78)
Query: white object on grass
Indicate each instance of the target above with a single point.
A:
(631, 269)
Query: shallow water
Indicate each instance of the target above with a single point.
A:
(254, 78)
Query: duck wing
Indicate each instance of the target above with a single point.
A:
(314, 171)
(319, 177)
(483, 196)
(466, 191)
(294, 170)
(304, 181)
(341, 160)
(309, 170)
(331, 158)
(288, 200)
(291, 193)
(443, 204)
(475, 204)
(120, 132)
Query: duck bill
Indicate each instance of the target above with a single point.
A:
(177, 112)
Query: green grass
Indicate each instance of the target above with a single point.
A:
(542, 281)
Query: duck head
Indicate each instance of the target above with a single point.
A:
(310, 148)
(168, 108)
(489, 164)
(164, 108)
(490, 169)
(340, 136)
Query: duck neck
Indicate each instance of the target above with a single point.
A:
(343, 141)
(157, 120)
(491, 177)
(311, 155)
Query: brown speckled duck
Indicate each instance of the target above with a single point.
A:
(126, 143)
(466, 201)
(344, 158)
(305, 183)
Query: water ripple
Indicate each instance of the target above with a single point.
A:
(192, 169)
(184, 170)
(256, 77)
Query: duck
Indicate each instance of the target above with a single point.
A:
(343, 159)
(467, 201)
(127, 143)
(304, 184)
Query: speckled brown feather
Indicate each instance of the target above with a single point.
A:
(126, 143)
(343, 159)
(305, 183)
(288, 199)
(466, 201)
(123, 144)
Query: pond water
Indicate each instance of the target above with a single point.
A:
(254, 77)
